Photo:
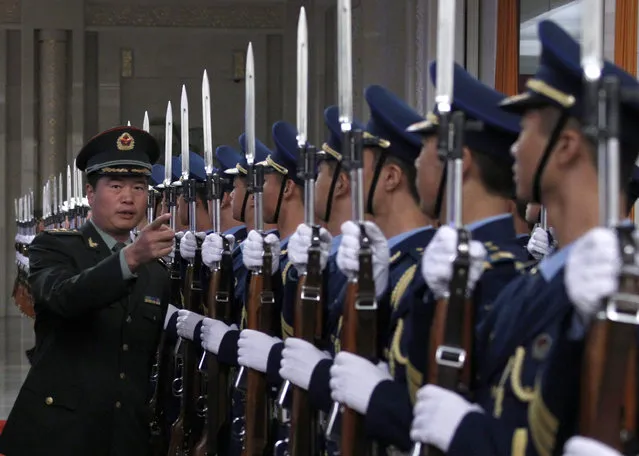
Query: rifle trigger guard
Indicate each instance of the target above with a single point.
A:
(311, 294)
(365, 302)
(448, 356)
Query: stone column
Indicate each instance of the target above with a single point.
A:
(53, 131)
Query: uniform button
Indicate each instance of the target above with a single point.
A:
(48, 400)
(128, 319)
(125, 347)
(118, 404)
(122, 375)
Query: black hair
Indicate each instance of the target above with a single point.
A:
(496, 174)
(408, 170)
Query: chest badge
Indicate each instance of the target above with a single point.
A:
(541, 346)
(92, 243)
(152, 300)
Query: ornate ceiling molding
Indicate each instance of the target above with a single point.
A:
(10, 11)
(238, 16)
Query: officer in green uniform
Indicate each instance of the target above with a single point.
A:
(99, 305)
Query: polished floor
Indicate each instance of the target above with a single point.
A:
(16, 336)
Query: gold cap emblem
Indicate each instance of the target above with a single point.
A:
(125, 142)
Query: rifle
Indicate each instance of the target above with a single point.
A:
(261, 299)
(214, 399)
(451, 335)
(308, 306)
(186, 426)
(359, 320)
(608, 412)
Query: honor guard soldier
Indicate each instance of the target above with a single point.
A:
(100, 301)
(487, 189)
(399, 232)
(333, 206)
(555, 164)
(284, 206)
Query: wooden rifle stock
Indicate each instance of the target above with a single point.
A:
(360, 337)
(608, 396)
(217, 375)
(307, 326)
(259, 318)
(159, 439)
(182, 433)
(451, 336)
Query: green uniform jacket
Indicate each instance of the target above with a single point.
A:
(96, 337)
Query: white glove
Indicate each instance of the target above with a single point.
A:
(186, 323)
(437, 414)
(212, 333)
(437, 261)
(592, 270)
(254, 249)
(213, 247)
(300, 242)
(353, 380)
(299, 358)
(254, 348)
(348, 251)
(583, 446)
(188, 244)
(539, 243)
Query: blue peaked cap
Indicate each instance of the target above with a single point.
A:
(227, 157)
(332, 148)
(559, 81)
(196, 167)
(157, 175)
(389, 119)
(261, 152)
(478, 102)
(285, 157)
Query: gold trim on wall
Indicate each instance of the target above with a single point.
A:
(245, 16)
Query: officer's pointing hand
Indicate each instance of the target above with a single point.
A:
(156, 240)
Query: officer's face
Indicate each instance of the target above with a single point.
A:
(527, 152)
(429, 173)
(118, 203)
(237, 197)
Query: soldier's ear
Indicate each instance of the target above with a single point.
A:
(343, 185)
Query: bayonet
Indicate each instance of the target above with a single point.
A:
(302, 79)
(184, 136)
(249, 111)
(145, 123)
(55, 196)
(168, 147)
(206, 122)
(61, 193)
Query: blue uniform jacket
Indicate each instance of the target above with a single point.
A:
(390, 413)
(405, 252)
(513, 346)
